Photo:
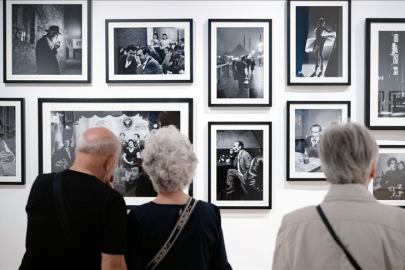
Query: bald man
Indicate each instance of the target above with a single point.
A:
(96, 213)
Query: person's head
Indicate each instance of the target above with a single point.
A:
(348, 154)
(53, 33)
(315, 130)
(237, 146)
(98, 150)
(392, 163)
(155, 36)
(122, 135)
(168, 50)
(131, 52)
(243, 58)
(401, 165)
(321, 22)
(131, 143)
(135, 172)
(169, 160)
(177, 51)
(143, 54)
(137, 137)
(164, 36)
(231, 151)
(66, 143)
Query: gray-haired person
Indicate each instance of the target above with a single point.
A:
(170, 162)
(96, 214)
(371, 232)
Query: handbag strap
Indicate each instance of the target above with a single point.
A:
(178, 228)
(336, 238)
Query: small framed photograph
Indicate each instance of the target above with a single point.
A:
(318, 42)
(149, 51)
(12, 141)
(239, 165)
(305, 122)
(389, 185)
(385, 74)
(239, 62)
(62, 121)
(47, 41)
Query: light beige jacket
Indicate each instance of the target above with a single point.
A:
(372, 232)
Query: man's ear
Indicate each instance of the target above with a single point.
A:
(373, 172)
(109, 162)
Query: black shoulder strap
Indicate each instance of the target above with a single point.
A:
(178, 228)
(336, 238)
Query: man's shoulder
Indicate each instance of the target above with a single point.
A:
(246, 153)
(153, 62)
(300, 215)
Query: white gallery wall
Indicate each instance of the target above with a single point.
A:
(249, 234)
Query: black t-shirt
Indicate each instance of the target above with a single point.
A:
(97, 217)
(200, 245)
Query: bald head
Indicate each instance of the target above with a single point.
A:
(98, 141)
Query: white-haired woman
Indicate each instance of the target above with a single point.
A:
(371, 233)
(170, 162)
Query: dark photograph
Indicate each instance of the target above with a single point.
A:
(240, 60)
(46, 39)
(390, 180)
(319, 41)
(239, 165)
(131, 127)
(309, 124)
(7, 141)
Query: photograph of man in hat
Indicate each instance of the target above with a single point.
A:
(46, 51)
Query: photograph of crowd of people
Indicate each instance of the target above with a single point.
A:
(132, 129)
(318, 41)
(47, 39)
(7, 142)
(240, 60)
(309, 124)
(149, 50)
(239, 165)
(390, 180)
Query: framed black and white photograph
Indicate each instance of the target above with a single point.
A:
(239, 165)
(47, 41)
(305, 122)
(239, 62)
(389, 184)
(62, 121)
(385, 74)
(149, 51)
(318, 42)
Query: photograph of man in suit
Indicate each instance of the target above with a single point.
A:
(64, 157)
(46, 50)
(126, 63)
(241, 166)
(145, 63)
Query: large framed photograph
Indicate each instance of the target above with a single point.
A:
(47, 41)
(385, 74)
(239, 62)
(12, 141)
(149, 51)
(239, 165)
(305, 122)
(318, 42)
(389, 184)
(62, 121)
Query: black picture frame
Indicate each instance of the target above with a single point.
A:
(258, 139)
(383, 107)
(181, 29)
(308, 117)
(261, 94)
(12, 140)
(388, 188)
(63, 120)
(22, 39)
(333, 13)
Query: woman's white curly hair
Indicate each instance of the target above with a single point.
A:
(169, 160)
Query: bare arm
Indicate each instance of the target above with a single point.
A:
(113, 262)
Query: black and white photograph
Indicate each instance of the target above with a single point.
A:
(305, 123)
(240, 164)
(65, 121)
(149, 51)
(240, 62)
(12, 141)
(389, 184)
(318, 42)
(47, 41)
(385, 74)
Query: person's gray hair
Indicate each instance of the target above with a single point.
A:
(347, 153)
(109, 145)
(169, 160)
